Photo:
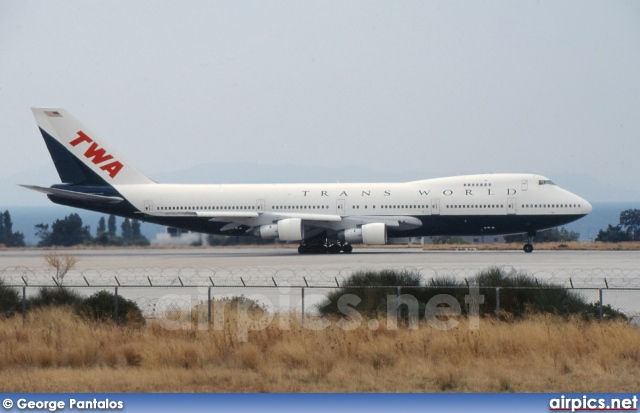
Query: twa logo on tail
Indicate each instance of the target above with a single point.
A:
(98, 155)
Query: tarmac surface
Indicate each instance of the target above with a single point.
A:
(192, 273)
(288, 258)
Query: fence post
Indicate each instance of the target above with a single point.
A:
(24, 305)
(497, 301)
(600, 304)
(209, 305)
(115, 310)
(302, 306)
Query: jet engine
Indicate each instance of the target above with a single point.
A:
(372, 234)
(269, 231)
(290, 229)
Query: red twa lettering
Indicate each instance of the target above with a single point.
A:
(82, 137)
(98, 155)
(113, 168)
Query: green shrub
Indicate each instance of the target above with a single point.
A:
(9, 299)
(520, 294)
(101, 307)
(54, 296)
(373, 299)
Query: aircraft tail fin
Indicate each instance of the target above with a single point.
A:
(79, 155)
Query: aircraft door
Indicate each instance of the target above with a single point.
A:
(435, 206)
(260, 205)
(511, 206)
(525, 184)
(341, 206)
(148, 206)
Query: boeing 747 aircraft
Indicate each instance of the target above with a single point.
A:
(321, 217)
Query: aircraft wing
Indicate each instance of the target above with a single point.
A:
(241, 217)
(80, 196)
(214, 215)
(400, 222)
(328, 221)
(305, 217)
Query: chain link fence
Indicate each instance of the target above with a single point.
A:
(188, 295)
(295, 277)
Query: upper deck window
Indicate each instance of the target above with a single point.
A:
(545, 182)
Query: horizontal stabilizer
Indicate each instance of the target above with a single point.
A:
(80, 196)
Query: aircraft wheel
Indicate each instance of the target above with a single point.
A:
(347, 248)
(302, 249)
(334, 249)
(528, 248)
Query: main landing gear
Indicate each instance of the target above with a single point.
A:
(325, 248)
(528, 247)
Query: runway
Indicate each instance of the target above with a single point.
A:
(182, 273)
(288, 258)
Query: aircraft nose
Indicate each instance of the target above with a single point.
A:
(586, 206)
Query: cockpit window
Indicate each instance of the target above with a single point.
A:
(545, 182)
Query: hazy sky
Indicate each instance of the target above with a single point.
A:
(432, 87)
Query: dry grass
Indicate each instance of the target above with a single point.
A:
(57, 352)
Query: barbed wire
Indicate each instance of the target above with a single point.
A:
(19, 276)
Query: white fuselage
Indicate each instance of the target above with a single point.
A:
(489, 195)
(494, 194)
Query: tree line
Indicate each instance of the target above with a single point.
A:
(8, 238)
(628, 228)
(71, 231)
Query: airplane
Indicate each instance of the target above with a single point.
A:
(322, 218)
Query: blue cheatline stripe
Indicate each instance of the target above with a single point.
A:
(285, 403)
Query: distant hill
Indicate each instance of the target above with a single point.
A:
(592, 189)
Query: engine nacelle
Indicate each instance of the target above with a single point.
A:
(372, 234)
(351, 235)
(291, 229)
(269, 231)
